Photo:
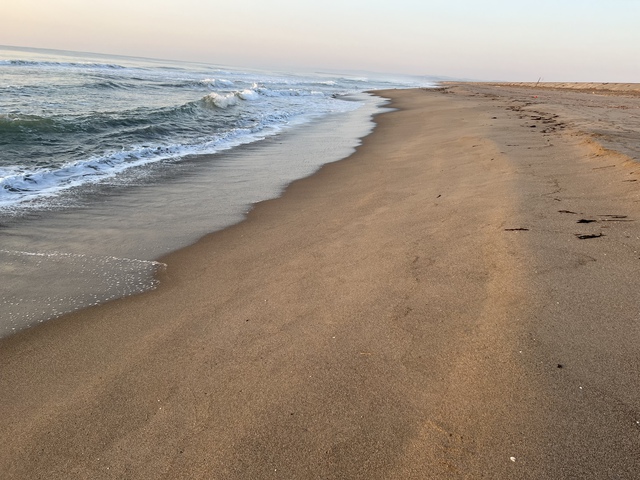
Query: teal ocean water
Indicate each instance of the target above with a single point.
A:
(107, 162)
(70, 119)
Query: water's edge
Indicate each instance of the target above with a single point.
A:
(57, 262)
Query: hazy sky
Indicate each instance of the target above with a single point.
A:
(559, 40)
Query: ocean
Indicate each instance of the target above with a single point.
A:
(109, 162)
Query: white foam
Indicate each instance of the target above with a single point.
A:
(220, 100)
(216, 82)
(248, 94)
(60, 282)
(27, 185)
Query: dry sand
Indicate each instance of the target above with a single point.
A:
(604, 88)
(424, 309)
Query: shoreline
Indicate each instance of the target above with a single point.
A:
(423, 308)
(104, 245)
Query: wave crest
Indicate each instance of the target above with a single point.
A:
(13, 122)
(219, 100)
(216, 82)
(229, 99)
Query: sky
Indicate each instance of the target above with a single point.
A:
(513, 40)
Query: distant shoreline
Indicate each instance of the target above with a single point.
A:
(606, 88)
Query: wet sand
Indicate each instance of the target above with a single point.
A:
(458, 299)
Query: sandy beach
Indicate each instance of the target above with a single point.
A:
(624, 89)
(457, 299)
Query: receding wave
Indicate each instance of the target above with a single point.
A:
(17, 187)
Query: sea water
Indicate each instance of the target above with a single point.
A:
(106, 163)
